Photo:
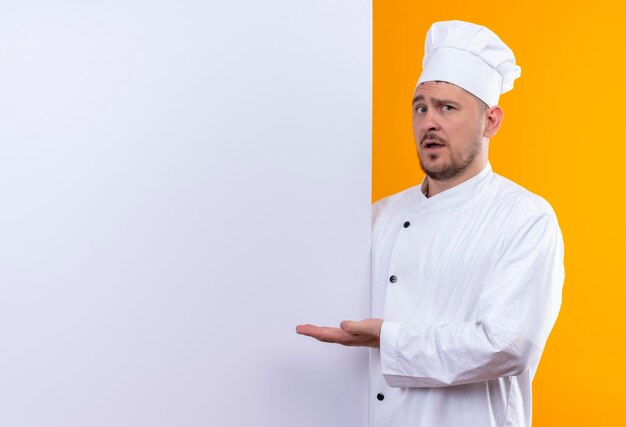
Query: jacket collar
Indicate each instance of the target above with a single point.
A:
(457, 194)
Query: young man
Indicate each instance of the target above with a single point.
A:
(467, 268)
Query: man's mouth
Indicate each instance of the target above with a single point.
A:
(429, 143)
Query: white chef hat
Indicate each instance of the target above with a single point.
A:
(470, 56)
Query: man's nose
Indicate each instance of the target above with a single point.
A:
(429, 121)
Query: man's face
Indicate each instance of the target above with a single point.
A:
(448, 129)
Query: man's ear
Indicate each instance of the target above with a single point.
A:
(493, 119)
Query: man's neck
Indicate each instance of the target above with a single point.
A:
(434, 187)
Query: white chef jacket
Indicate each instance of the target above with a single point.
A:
(469, 285)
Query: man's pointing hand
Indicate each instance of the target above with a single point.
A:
(365, 333)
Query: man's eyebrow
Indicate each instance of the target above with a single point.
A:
(436, 101)
(444, 101)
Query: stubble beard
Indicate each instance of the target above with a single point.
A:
(455, 166)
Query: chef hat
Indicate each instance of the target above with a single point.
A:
(470, 56)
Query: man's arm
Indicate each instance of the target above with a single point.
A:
(516, 312)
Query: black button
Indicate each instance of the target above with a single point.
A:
(380, 396)
(406, 224)
(393, 279)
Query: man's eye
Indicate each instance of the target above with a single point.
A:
(420, 109)
(448, 107)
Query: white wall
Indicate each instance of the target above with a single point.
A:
(181, 183)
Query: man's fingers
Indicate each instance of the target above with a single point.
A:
(309, 330)
(323, 333)
(302, 329)
(330, 335)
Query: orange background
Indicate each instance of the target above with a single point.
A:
(562, 138)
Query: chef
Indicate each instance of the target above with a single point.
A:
(467, 267)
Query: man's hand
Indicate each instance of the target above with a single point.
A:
(365, 333)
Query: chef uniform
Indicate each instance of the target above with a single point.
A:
(468, 281)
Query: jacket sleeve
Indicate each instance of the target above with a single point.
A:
(517, 311)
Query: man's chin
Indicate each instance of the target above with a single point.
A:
(440, 172)
(433, 169)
